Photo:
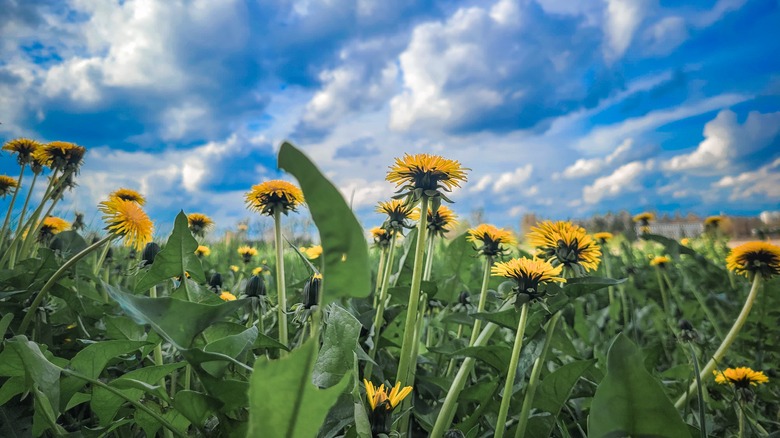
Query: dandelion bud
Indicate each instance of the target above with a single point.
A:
(463, 298)
(311, 291)
(110, 253)
(454, 433)
(215, 281)
(255, 287)
(150, 252)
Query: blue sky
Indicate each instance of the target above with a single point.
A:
(560, 108)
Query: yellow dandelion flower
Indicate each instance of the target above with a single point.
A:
(713, 221)
(440, 221)
(491, 238)
(685, 241)
(199, 223)
(234, 268)
(603, 237)
(257, 271)
(380, 398)
(61, 154)
(246, 252)
(528, 274)
(756, 257)
(660, 261)
(7, 185)
(644, 217)
(242, 227)
(742, 377)
(128, 195)
(426, 174)
(312, 253)
(398, 213)
(202, 251)
(227, 296)
(270, 196)
(563, 243)
(381, 236)
(54, 225)
(128, 220)
(24, 148)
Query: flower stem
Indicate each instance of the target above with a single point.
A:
(27, 201)
(700, 393)
(447, 412)
(11, 206)
(380, 271)
(407, 347)
(379, 317)
(482, 299)
(429, 258)
(533, 382)
(741, 419)
(506, 396)
(730, 338)
(59, 273)
(451, 366)
(157, 355)
(280, 286)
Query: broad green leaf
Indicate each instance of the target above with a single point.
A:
(196, 406)
(233, 346)
(282, 400)
(176, 258)
(68, 242)
(106, 404)
(11, 387)
(91, 361)
(14, 422)
(575, 287)
(337, 354)
(150, 425)
(24, 358)
(175, 320)
(345, 250)
(554, 390)
(458, 256)
(497, 356)
(5, 322)
(630, 401)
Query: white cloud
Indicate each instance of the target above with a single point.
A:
(482, 184)
(623, 179)
(623, 18)
(725, 141)
(765, 182)
(665, 35)
(721, 8)
(513, 180)
(606, 138)
(590, 166)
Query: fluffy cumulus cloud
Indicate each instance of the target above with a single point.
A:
(558, 107)
(726, 142)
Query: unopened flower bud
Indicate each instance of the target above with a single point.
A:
(255, 286)
(215, 281)
(311, 291)
(150, 252)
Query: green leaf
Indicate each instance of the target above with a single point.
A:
(630, 401)
(554, 390)
(24, 358)
(345, 250)
(337, 354)
(5, 322)
(175, 320)
(497, 356)
(575, 287)
(196, 406)
(282, 400)
(106, 404)
(91, 361)
(458, 256)
(68, 242)
(177, 258)
(233, 346)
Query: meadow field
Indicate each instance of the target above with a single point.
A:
(403, 330)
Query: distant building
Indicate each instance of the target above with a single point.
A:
(770, 217)
(674, 230)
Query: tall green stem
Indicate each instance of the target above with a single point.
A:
(379, 316)
(447, 412)
(506, 397)
(27, 201)
(533, 382)
(700, 393)
(380, 272)
(59, 273)
(157, 355)
(482, 298)
(664, 294)
(280, 286)
(414, 296)
(451, 366)
(429, 257)
(730, 338)
(407, 347)
(11, 206)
